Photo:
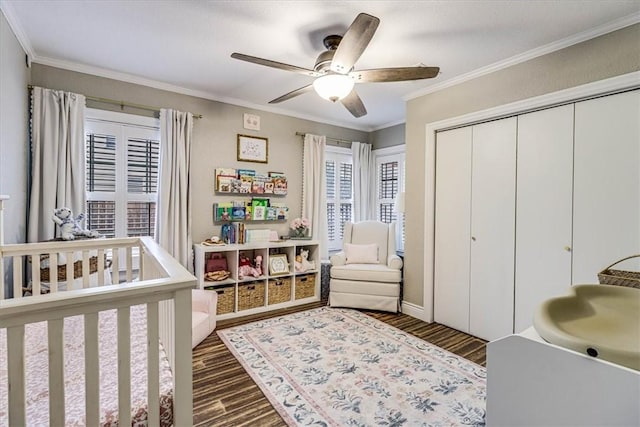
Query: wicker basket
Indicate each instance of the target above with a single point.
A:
(77, 269)
(279, 290)
(226, 298)
(250, 295)
(305, 286)
(608, 276)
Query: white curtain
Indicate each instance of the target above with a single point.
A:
(57, 159)
(173, 213)
(364, 182)
(314, 198)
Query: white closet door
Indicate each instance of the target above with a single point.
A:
(543, 209)
(452, 233)
(493, 191)
(606, 203)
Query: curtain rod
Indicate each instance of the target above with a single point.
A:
(123, 104)
(336, 140)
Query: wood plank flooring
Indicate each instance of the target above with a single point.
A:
(225, 395)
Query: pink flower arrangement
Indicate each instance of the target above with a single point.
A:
(300, 226)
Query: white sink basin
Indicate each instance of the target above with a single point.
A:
(599, 320)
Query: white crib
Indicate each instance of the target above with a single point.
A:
(163, 287)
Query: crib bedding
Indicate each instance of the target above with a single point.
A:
(37, 377)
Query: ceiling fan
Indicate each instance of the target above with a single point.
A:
(335, 77)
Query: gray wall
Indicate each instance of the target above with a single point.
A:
(14, 78)
(387, 137)
(214, 136)
(14, 101)
(610, 55)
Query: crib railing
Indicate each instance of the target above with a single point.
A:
(162, 284)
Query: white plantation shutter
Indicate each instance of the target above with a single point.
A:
(390, 183)
(388, 189)
(339, 192)
(122, 154)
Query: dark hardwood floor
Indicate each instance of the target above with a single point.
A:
(225, 395)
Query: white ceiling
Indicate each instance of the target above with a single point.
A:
(185, 45)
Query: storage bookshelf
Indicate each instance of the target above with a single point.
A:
(269, 291)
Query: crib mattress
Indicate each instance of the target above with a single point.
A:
(37, 385)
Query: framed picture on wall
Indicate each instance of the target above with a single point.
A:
(253, 149)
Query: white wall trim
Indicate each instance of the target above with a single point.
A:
(531, 54)
(14, 23)
(390, 124)
(131, 78)
(414, 310)
(122, 118)
(388, 151)
(601, 87)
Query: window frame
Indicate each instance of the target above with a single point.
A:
(385, 155)
(123, 126)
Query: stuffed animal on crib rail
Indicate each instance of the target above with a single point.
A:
(70, 226)
(302, 262)
(246, 269)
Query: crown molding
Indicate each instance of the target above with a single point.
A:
(131, 78)
(389, 124)
(531, 54)
(14, 23)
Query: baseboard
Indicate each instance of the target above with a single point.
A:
(414, 310)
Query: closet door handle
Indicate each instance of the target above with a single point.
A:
(567, 248)
(473, 238)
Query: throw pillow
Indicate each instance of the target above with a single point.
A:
(361, 254)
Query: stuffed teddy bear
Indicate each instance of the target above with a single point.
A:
(70, 226)
(246, 269)
(302, 262)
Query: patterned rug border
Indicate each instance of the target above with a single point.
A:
(415, 343)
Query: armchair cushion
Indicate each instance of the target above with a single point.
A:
(366, 273)
(361, 254)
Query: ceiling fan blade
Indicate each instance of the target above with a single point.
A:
(274, 64)
(293, 94)
(394, 74)
(354, 104)
(354, 42)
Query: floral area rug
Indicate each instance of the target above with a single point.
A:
(339, 367)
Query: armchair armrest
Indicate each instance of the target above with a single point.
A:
(394, 261)
(203, 301)
(338, 259)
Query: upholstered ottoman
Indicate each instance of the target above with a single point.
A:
(203, 316)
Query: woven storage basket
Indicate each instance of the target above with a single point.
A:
(77, 269)
(250, 295)
(279, 290)
(226, 298)
(305, 286)
(608, 276)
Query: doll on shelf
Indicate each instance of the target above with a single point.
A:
(246, 268)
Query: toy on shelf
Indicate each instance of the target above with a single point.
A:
(302, 263)
(246, 268)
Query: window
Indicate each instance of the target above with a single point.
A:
(389, 184)
(122, 154)
(339, 175)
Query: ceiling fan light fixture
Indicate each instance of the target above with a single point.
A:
(333, 87)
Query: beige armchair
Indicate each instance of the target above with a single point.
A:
(367, 273)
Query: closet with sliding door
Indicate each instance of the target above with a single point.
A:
(528, 205)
